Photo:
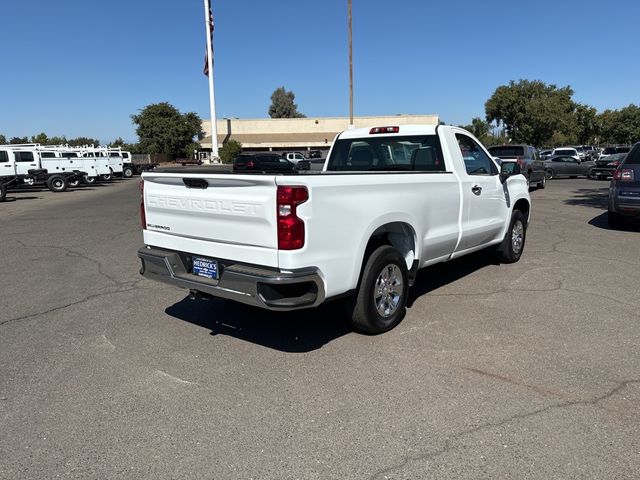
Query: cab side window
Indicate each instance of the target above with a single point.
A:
(24, 156)
(4, 157)
(476, 161)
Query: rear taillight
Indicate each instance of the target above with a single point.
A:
(143, 217)
(623, 175)
(290, 226)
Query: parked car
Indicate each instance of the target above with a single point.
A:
(565, 152)
(262, 162)
(624, 191)
(531, 165)
(298, 159)
(385, 207)
(606, 167)
(617, 149)
(545, 154)
(568, 166)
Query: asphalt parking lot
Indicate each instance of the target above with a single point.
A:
(530, 370)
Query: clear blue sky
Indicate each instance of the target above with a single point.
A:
(78, 67)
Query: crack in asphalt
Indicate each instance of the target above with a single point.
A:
(449, 442)
(134, 286)
(75, 254)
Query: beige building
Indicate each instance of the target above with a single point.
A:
(289, 134)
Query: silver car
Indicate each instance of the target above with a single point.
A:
(568, 166)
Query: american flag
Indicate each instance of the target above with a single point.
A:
(205, 70)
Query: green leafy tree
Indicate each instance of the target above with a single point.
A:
(17, 140)
(58, 140)
(283, 105)
(532, 111)
(3, 140)
(80, 141)
(620, 126)
(229, 151)
(586, 124)
(190, 150)
(163, 129)
(118, 142)
(41, 138)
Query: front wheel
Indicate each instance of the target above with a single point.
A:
(510, 250)
(57, 183)
(89, 180)
(542, 183)
(380, 302)
(549, 174)
(127, 172)
(3, 192)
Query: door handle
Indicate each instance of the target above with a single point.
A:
(476, 189)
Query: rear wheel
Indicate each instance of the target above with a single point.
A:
(75, 182)
(380, 302)
(3, 192)
(127, 172)
(542, 183)
(89, 180)
(510, 250)
(57, 183)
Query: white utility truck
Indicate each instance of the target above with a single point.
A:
(102, 154)
(389, 201)
(25, 162)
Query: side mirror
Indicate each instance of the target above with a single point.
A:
(508, 169)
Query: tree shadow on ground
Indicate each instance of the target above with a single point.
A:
(628, 225)
(595, 197)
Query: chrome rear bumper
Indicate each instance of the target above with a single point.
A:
(260, 287)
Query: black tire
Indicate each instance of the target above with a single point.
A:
(542, 183)
(511, 248)
(615, 220)
(74, 182)
(589, 174)
(89, 180)
(57, 183)
(108, 177)
(379, 304)
(127, 172)
(549, 173)
(3, 192)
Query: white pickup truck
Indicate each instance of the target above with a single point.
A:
(389, 201)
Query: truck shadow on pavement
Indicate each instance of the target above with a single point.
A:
(292, 332)
(441, 274)
(307, 330)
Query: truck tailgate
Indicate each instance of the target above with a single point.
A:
(222, 216)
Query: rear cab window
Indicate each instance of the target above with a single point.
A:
(398, 153)
(507, 151)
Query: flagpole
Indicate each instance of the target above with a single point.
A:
(350, 71)
(212, 98)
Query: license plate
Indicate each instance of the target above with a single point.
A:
(205, 267)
